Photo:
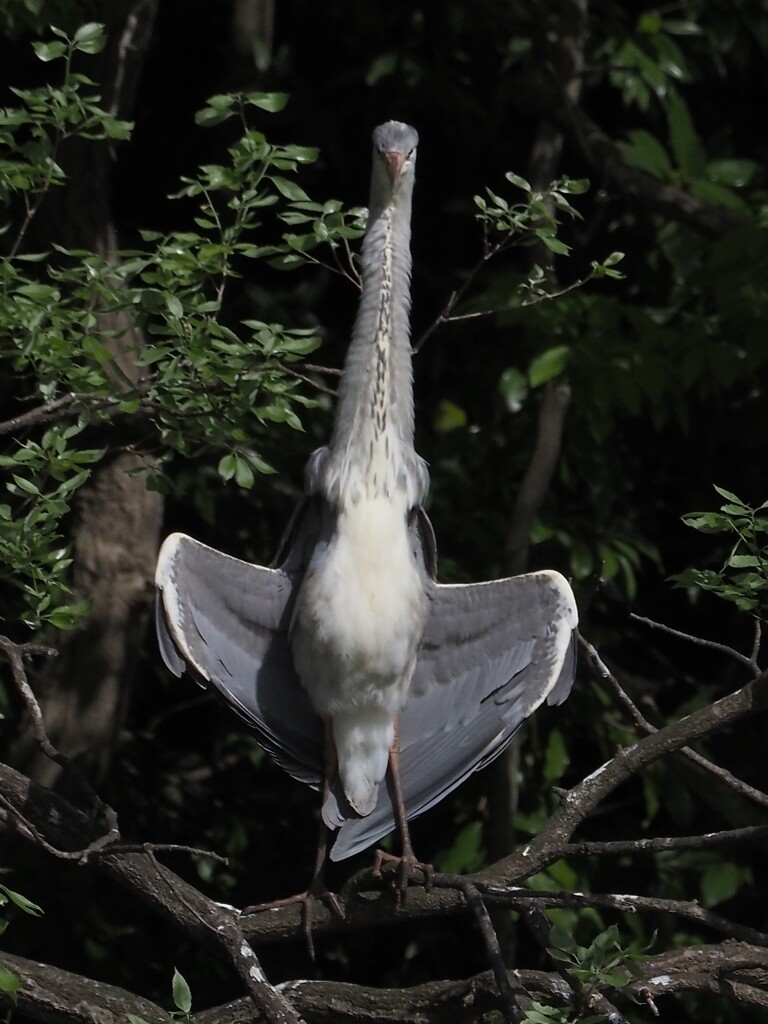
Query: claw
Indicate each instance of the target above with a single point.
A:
(406, 867)
(317, 892)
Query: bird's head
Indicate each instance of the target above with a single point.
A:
(394, 153)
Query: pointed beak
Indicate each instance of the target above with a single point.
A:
(394, 162)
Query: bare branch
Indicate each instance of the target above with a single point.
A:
(660, 844)
(584, 797)
(699, 641)
(622, 698)
(519, 899)
(200, 919)
(16, 655)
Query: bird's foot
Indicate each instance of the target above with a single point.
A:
(406, 869)
(317, 892)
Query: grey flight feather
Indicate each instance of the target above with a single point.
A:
(491, 655)
(227, 621)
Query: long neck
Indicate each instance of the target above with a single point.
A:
(376, 386)
(372, 442)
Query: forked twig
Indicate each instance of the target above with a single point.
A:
(641, 722)
(713, 645)
(16, 655)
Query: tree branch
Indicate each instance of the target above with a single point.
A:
(210, 924)
(651, 193)
(586, 796)
(733, 969)
(602, 672)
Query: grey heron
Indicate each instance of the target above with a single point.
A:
(360, 673)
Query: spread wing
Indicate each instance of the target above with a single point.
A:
(227, 621)
(492, 653)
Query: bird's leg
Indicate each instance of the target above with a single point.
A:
(317, 889)
(407, 863)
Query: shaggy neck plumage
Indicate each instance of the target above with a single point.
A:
(372, 443)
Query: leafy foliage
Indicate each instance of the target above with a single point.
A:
(665, 362)
(205, 386)
(9, 982)
(743, 577)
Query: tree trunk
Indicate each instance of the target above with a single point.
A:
(117, 525)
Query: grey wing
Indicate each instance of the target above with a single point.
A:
(227, 622)
(492, 653)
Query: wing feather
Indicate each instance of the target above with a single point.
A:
(492, 653)
(227, 621)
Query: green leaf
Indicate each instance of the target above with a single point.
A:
(731, 497)
(646, 152)
(515, 179)
(289, 189)
(9, 983)
(175, 307)
(90, 38)
(49, 51)
(548, 365)
(26, 485)
(560, 938)
(574, 186)
(732, 172)
(273, 102)
(182, 997)
(685, 143)
(449, 416)
(217, 110)
(243, 474)
(717, 194)
(466, 853)
(513, 388)
(721, 881)
(22, 902)
(554, 244)
(67, 616)
(556, 758)
(228, 466)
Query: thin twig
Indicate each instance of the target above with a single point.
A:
(308, 380)
(660, 844)
(699, 641)
(25, 826)
(521, 899)
(756, 642)
(59, 408)
(474, 900)
(642, 723)
(16, 654)
(155, 848)
(312, 368)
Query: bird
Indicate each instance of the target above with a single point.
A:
(361, 674)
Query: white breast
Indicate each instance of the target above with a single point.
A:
(358, 622)
(360, 613)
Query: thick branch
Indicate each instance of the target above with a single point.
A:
(651, 193)
(210, 924)
(735, 970)
(53, 996)
(586, 796)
